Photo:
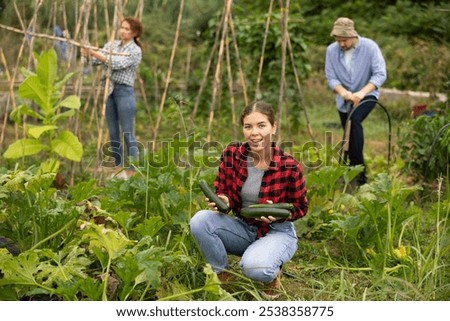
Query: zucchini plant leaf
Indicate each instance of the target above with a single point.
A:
(23, 269)
(67, 264)
(104, 239)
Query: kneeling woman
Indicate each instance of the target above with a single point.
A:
(256, 171)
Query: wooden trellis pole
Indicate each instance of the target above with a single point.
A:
(169, 73)
(258, 94)
(11, 97)
(73, 42)
(106, 89)
(37, 6)
(84, 16)
(138, 14)
(24, 41)
(284, 32)
(238, 59)
(230, 89)
(217, 73)
(299, 88)
(207, 68)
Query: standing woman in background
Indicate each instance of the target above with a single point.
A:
(121, 103)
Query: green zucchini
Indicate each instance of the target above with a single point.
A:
(286, 206)
(256, 212)
(221, 205)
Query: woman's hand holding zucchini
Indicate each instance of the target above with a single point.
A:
(218, 201)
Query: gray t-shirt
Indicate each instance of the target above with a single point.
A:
(251, 187)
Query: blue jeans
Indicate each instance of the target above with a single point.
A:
(261, 259)
(356, 144)
(120, 114)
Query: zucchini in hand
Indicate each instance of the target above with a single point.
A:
(286, 206)
(221, 205)
(257, 212)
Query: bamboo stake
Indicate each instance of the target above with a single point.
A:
(169, 74)
(258, 94)
(95, 78)
(299, 88)
(156, 93)
(138, 14)
(31, 60)
(139, 10)
(217, 74)
(284, 17)
(64, 15)
(96, 41)
(188, 68)
(94, 111)
(52, 14)
(84, 13)
(11, 97)
(24, 41)
(146, 104)
(105, 5)
(207, 68)
(230, 88)
(105, 91)
(73, 42)
(238, 60)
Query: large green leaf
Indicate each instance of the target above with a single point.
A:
(23, 269)
(32, 88)
(72, 102)
(64, 115)
(71, 262)
(24, 147)
(16, 114)
(27, 73)
(37, 131)
(68, 146)
(105, 239)
(47, 68)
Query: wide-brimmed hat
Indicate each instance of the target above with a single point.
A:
(344, 27)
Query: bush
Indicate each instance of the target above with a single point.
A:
(424, 146)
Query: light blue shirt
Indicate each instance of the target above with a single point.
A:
(367, 65)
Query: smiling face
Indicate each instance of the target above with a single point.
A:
(258, 132)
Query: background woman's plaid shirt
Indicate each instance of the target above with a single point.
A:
(123, 68)
(283, 182)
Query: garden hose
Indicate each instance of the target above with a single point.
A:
(438, 134)
(347, 127)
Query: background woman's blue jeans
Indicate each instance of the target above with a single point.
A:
(261, 259)
(120, 116)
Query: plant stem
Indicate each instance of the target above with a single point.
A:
(53, 235)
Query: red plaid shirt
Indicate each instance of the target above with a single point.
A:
(283, 182)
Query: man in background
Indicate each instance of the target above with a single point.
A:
(355, 70)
